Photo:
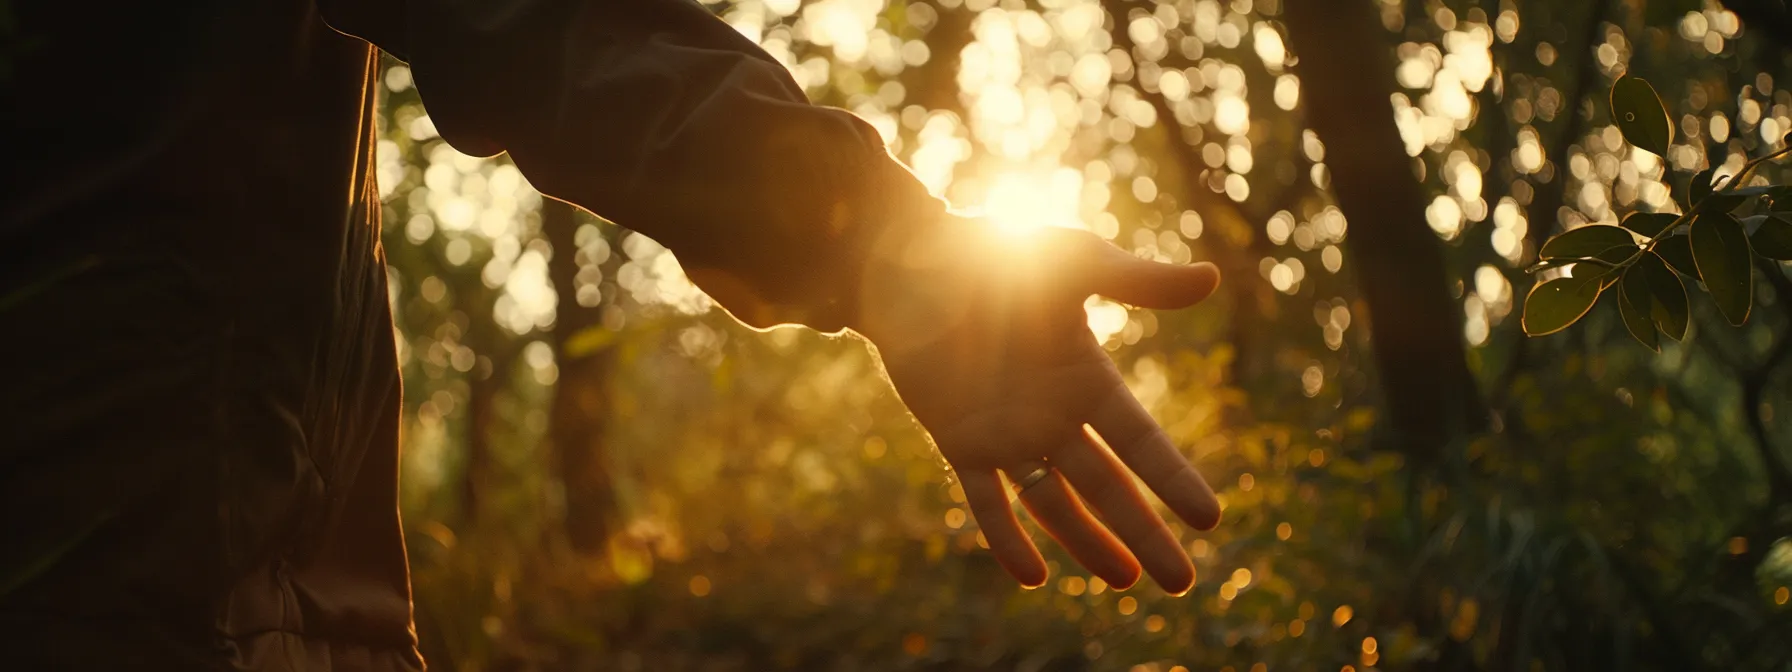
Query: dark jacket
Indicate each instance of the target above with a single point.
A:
(199, 420)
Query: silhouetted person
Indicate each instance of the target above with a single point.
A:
(198, 446)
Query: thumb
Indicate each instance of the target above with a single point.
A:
(1118, 275)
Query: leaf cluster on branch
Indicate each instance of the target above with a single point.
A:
(1645, 257)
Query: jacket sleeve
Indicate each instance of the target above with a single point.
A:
(658, 116)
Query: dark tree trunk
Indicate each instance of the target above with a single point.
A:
(580, 413)
(934, 85)
(483, 384)
(580, 417)
(1238, 241)
(1545, 213)
(1347, 77)
(487, 379)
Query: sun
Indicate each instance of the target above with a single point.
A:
(1018, 203)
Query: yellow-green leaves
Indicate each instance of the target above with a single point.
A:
(1677, 251)
(1702, 184)
(1634, 302)
(1651, 298)
(1553, 305)
(1709, 197)
(1643, 258)
(1640, 116)
(1721, 251)
(1667, 307)
(1587, 241)
(1774, 239)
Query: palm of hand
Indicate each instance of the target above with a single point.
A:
(991, 352)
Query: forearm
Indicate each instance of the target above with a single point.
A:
(658, 116)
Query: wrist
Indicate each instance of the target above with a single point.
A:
(809, 266)
(917, 280)
(890, 221)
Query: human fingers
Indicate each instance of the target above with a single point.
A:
(1102, 481)
(1142, 445)
(1098, 267)
(995, 517)
(1056, 508)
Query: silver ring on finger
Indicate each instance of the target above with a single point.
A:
(1039, 472)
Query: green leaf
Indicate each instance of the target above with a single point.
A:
(1677, 251)
(1634, 304)
(1614, 258)
(1768, 190)
(1721, 251)
(1553, 305)
(1701, 185)
(1773, 240)
(1668, 308)
(1640, 115)
(1649, 224)
(1720, 203)
(1547, 264)
(1586, 241)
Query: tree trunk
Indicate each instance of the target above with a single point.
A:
(579, 416)
(1252, 303)
(934, 85)
(1545, 212)
(483, 384)
(487, 379)
(1347, 77)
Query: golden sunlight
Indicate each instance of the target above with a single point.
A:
(1021, 202)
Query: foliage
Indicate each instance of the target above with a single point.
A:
(773, 507)
(1707, 243)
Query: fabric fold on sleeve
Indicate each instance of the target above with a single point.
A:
(660, 117)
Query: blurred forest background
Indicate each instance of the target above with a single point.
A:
(602, 471)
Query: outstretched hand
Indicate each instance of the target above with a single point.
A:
(985, 337)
